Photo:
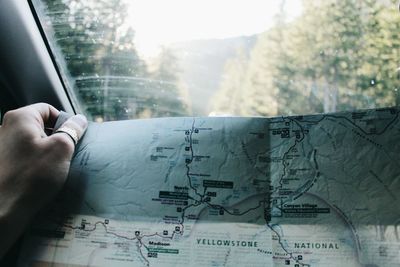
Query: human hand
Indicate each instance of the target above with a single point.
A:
(33, 165)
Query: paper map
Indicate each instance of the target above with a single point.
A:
(317, 190)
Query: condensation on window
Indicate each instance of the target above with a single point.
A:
(143, 59)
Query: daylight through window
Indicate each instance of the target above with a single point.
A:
(147, 58)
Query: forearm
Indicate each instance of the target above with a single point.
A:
(12, 224)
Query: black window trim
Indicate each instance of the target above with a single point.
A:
(28, 72)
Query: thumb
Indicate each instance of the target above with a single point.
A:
(69, 134)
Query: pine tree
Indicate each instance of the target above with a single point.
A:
(172, 96)
(100, 56)
(230, 94)
(338, 55)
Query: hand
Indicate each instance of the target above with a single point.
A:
(33, 165)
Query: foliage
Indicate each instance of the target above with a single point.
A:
(111, 79)
(338, 55)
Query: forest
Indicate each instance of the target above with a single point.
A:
(337, 55)
(108, 77)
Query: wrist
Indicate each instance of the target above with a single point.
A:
(10, 226)
(15, 214)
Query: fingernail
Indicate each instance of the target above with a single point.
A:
(80, 120)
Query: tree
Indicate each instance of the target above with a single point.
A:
(380, 71)
(111, 79)
(336, 55)
(230, 93)
(172, 97)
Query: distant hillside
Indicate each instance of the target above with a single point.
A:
(202, 63)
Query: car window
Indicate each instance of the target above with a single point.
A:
(146, 58)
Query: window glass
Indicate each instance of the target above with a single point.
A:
(148, 58)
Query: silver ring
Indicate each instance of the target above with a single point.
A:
(70, 132)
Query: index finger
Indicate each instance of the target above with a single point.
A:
(45, 114)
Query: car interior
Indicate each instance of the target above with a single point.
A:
(28, 73)
(309, 63)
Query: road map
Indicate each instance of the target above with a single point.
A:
(316, 190)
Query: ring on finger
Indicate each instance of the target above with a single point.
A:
(70, 132)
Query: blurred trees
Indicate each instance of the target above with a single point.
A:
(165, 69)
(227, 98)
(110, 78)
(338, 55)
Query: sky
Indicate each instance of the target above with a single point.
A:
(161, 22)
